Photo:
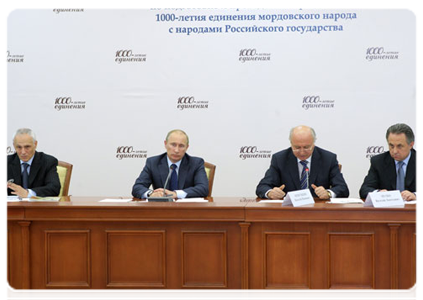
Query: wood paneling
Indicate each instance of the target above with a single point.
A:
(225, 243)
(351, 260)
(7, 259)
(136, 258)
(204, 259)
(67, 259)
(286, 260)
(416, 262)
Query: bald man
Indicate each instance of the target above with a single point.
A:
(302, 166)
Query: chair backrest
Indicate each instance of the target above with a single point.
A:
(210, 169)
(340, 167)
(64, 170)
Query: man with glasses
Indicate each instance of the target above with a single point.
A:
(302, 166)
(394, 169)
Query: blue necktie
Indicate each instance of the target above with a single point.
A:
(25, 176)
(304, 179)
(173, 179)
(400, 177)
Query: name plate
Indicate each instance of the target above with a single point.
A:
(298, 198)
(384, 199)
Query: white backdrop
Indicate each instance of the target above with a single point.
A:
(247, 74)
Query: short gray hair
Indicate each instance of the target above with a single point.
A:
(401, 128)
(28, 131)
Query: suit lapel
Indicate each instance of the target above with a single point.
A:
(293, 170)
(16, 170)
(391, 172)
(35, 167)
(164, 169)
(315, 166)
(183, 170)
(411, 171)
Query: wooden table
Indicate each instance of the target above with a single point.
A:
(232, 243)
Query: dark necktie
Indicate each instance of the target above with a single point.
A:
(174, 179)
(304, 179)
(25, 175)
(400, 177)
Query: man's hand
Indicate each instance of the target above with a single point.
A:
(277, 193)
(17, 190)
(159, 193)
(408, 196)
(320, 191)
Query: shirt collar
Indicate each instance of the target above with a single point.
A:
(308, 160)
(29, 162)
(405, 161)
(169, 163)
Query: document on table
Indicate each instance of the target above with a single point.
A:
(191, 200)
(13, 199)
(44, 199)
(271, 201)
(345, 201)
(116, 200)
(411, 202)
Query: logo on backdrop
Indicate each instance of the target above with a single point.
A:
(247, 55)
(67, 103)
(67, 10)
(379, 53)
(15, 58)
(189, 102)
(248, 152)
(124, 152)
(316, 102)
(10, 151)
(374, 150)
(128, 56)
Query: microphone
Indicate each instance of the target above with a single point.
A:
(167, 179)
(165, 197)
(308, 177)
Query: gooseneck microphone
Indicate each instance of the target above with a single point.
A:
(167, 180)
(308, 177)
(165, 197)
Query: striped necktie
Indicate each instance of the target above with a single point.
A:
(304, 175)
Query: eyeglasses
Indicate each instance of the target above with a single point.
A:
(298, 149)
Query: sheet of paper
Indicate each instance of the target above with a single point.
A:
(271, 201)
(411, 202)
(44, 199)
(116, 200)
(345, 201)
(192, 200)
(13, 199)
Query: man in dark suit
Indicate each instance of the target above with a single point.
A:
(31, 173)
(396, 168)
(303, 166)
(188, 178)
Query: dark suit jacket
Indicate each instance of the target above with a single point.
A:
(43, 177)
(383, 174)
(192, 177)
(324, 171)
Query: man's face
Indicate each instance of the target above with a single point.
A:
(398, 147)
(176, 146)
(24, 146)
(302, 144)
